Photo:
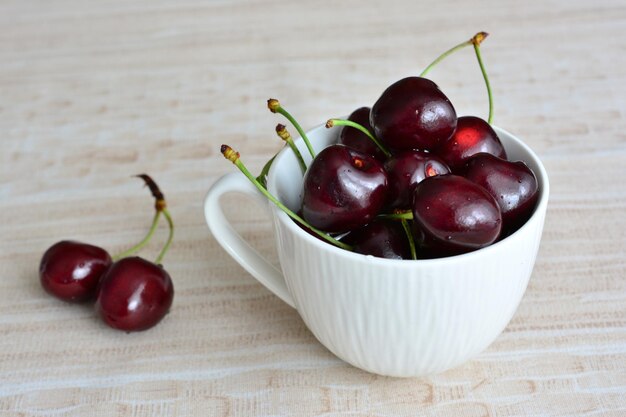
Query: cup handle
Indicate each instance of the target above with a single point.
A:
(266, 273)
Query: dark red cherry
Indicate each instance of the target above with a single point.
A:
(512, 184)
(134, 294)
(452, 215)
(413, 113)
(343, 189)
(355, 139)
(71, 270)
(405, 170)
(312, 233)
(472, 135)
(380, 238)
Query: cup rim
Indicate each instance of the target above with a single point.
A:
(295, 229)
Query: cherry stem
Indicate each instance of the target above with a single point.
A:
(275, 107)
(401, 215)
(477, 38)
(444, 56)
(144, 242)
(233, 157)
(262, 178)
(482, 69)
(409, 235)
(350, 123)
(170, 237)
(284, 134)
(159, 205)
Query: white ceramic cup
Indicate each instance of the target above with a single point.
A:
(391, 317)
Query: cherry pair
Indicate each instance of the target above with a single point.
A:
(130, 293)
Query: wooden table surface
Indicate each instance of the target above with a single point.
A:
(94, 92)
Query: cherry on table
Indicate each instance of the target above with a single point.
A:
(472, 135)
(132, 293)
(512, 184)
(135, 294)
(413, 113)
(452, 215)
(343, 189)
(71, 270)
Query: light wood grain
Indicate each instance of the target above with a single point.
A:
(94, 92)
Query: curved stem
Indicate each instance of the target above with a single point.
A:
(445, 55)
(409, 235)
(234, 158)
(299, 129)
(350, 123)
(144, 242)
(170, 223)
(290, 213)
(482, 69)
(262, 178)
(275, 107)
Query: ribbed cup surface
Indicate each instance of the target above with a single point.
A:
(407, 318)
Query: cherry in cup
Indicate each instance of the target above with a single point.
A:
(453, 215)
(381, 238)
(512, 184)
(472, 135)
(343, 189)
(413, 113)
(356, 139)
(407, 169)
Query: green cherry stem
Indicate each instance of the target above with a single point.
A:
(144, 242)
(283, 133)
(476, 41)
(341, 122)
(233, 157)
(444, 56)
(159, 206)
(401, 215)
(409, 235)
(262, 178)
(275, 107)
(170, 237)
(480, 36)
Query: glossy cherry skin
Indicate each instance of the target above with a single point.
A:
(405, 170)
(380, 238)
(355, 139)
(71, 270)
(472, 135)
(312, 233)
(135, 294)
(452, 215)
(512, 184)
(343, 189)
(413, 113)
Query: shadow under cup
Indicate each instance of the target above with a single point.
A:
(398, 317)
